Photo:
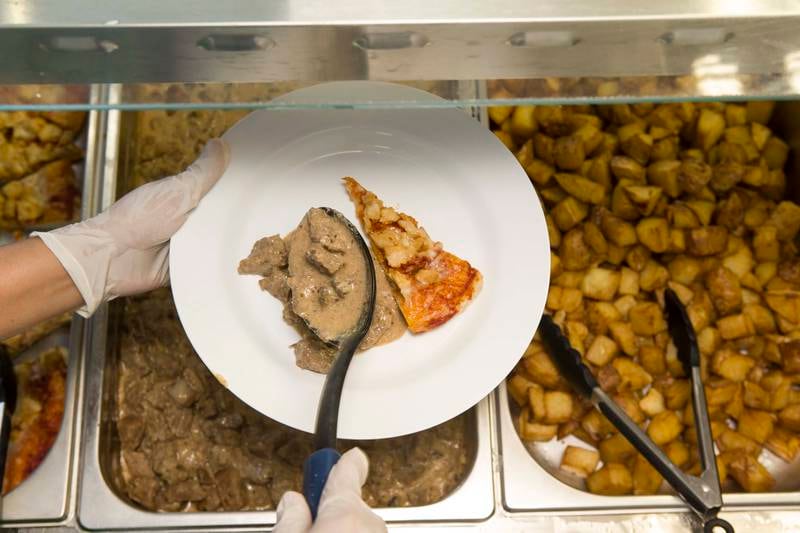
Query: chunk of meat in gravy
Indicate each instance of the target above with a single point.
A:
(320, 278)
(311, 265)
(267, 255)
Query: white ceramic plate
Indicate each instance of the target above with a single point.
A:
(440, 166)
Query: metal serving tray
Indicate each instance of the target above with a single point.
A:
(102, 507)
(531, 480)
(47, 496)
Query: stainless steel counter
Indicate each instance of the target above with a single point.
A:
(505, 491)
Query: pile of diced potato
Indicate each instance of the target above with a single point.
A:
(642, 197)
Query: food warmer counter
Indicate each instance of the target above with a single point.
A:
(112, 468)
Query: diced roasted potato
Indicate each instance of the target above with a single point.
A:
(534, 431)
(628, 282)
(735, 326)
(602, 350)
(558, 407)
(594, 238)
(755, 424)
(664, 427)
(647, 319)
(553, 234)
(730, 440)
(596, 425)
(766, 244)
(652, 360)
(750, 474)
(785, 304)
(786, 219)
(653, 276)
(637, 257)
(646, 479)
(725, 290)
(623, 335)
(652, 403)
(518, 386)
(600, 284)
(613, 479)
(720, 392)
(677, 394)
(616, 449)
(581, 188)
(574, 252)
(523, 123)
(789, 417)
(678, 452)
(790, 356)
(684, 269)
(706, 241)
(710, 126)
(599, 315)
(624, 305)
(741, 262)
(552, 195)
(693, 176)
(638, 146)
(569, 212)
(731, 365)
(579, 461)
(543, 146)
(755, 397)
(625, 168)
(632, 375)
(568, 152)
(499, 113)
(542, 370)
(760, 111)
(666, 175)
(682, 217)
(725, 176)
(653, 232)
(539, 172)
(784, 444)
(617, 230)
(775, 153)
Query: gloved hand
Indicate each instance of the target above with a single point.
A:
(125, 249)
(341, 507)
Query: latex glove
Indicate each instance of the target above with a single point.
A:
(125, 249)
(340, 508)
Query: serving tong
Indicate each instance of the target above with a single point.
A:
(702, 493)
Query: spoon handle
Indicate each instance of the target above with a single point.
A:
(315, 475)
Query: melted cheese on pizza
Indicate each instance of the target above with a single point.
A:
(432, 285)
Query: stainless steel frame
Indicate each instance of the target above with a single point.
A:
(101, 508)
(117, 41)
(47, 496)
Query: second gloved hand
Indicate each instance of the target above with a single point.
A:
(341, 508)
(125, 249)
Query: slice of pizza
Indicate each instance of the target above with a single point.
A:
(432, 285)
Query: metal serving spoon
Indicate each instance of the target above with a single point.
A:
(319, 464)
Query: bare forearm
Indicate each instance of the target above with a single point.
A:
(33, 286)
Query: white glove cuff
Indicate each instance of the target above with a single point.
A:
(90, 275)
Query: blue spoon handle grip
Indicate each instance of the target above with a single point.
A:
(315, 475)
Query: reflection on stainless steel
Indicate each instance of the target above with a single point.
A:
(314, 41)
(715, 76)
